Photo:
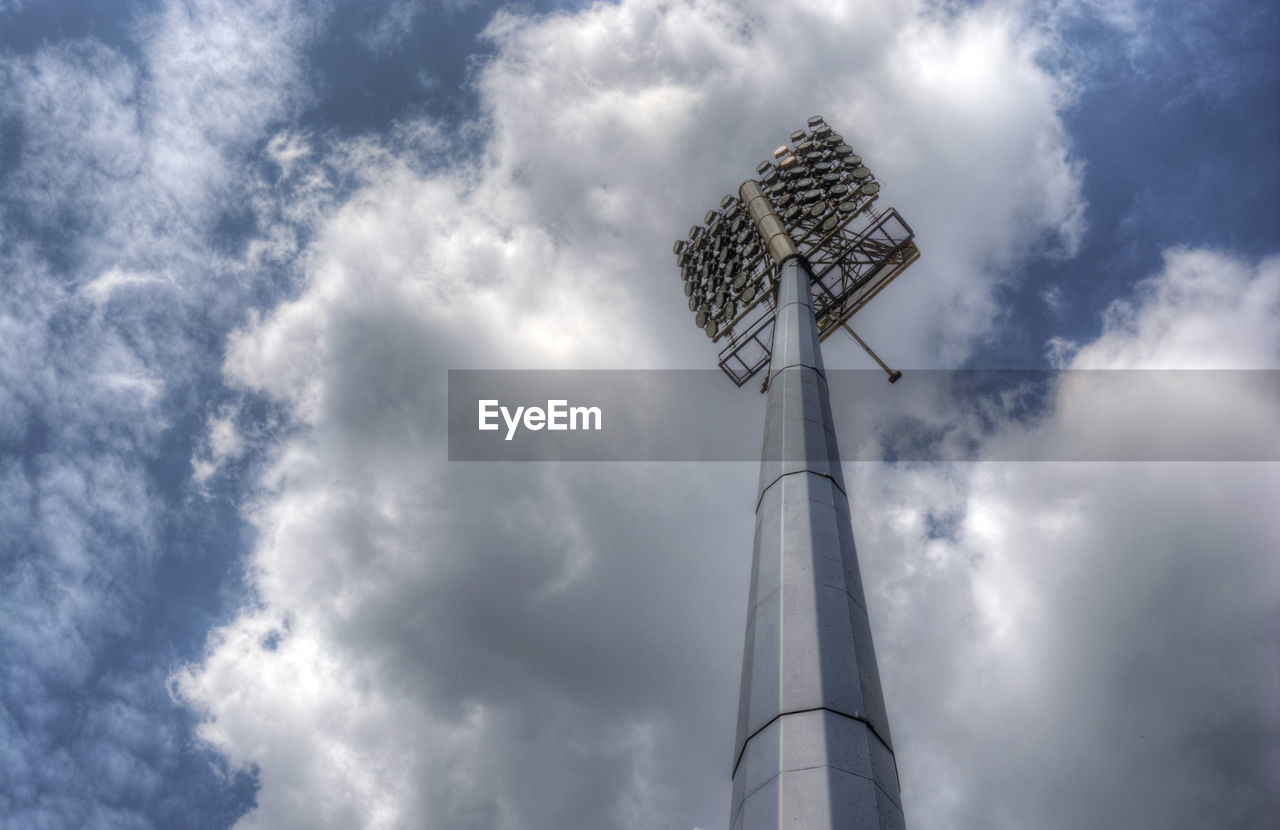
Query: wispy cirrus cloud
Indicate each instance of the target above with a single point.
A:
(116, 288)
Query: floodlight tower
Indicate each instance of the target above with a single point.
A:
(774, 272)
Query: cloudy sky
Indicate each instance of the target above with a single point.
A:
(241, 244)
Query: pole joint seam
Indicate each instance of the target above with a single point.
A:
(828, 476)
(860, 719)
(773, 373)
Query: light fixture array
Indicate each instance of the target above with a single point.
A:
(818, 186)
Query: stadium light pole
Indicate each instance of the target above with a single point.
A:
(774, 272)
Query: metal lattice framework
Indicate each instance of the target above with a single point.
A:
(824, 195)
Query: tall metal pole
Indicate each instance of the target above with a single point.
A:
(813, 749)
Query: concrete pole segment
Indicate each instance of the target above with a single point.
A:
(813, 749)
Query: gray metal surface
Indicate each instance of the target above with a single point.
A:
(813, 748)
(815, 770)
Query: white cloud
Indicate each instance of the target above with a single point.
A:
(527, 646)
(285, 148)
(545, 647)
(392, 27)
(112, 283)
(1131, 392)
(643, 91)
(1205, 310)
(1053, 300)
(1058, 351)
(225, 443)
(1057, 655)
(220, 76)
(116, 279)
(1091, 644)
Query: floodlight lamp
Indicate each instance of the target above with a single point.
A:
(814, 188)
